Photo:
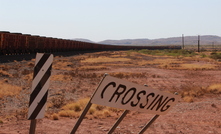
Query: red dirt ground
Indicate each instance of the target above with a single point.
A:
(203, 116)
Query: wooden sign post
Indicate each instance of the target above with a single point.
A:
(121, 94)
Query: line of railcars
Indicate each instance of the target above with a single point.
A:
(18, 43)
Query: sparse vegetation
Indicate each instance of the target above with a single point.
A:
(73, 110)
(215, 55)
(78, 77)
(5, 74)
(172, 52)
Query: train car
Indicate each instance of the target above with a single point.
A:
(7, 43)
(17, 43)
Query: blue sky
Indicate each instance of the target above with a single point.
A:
(99, 20)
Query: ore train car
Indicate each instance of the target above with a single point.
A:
(18, 43)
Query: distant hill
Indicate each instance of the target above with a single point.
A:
(188, 40)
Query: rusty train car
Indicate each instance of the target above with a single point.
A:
(18, 43)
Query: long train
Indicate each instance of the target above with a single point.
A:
(18, 43)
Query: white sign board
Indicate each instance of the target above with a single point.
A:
(121, 94)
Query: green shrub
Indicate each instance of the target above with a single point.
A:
(215, 55)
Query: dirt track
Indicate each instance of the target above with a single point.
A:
(199, 117)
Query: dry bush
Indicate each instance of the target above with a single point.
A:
(69, 113)
(73, 106)
(189, 92)
(193, 91)
(55, 116)
(215, 88)
(8, 90)
(4, 67)
(21, 113)
(5, 74)
(31, 64)
(57, 101)
(26, 72)
(28, 77)
(188, 98)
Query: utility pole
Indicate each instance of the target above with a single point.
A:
(198, 43)
(183, 40)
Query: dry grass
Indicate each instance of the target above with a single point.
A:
(62, 65)
(61, 77)
(128, 74)
(73, 110)
(92, 68)
(129, 64)
(180, 64)
(162, 63)
(8, 90)
(197, 66)
(104, 59)
(189, 92)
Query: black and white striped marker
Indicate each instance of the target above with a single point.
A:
(40, 85)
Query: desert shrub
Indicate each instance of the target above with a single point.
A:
(55, 116)
(58, 101)
(69, 113)
(169, 52)
(215, 55)
(26, 72)
(21, 113)
(188, 98)
(203, 55)
(215, 88)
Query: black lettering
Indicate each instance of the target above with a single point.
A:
(152, 102)
(160, 103)
(171, 99)
(118, 93)
(151, 94)
(111, 83)
(134, 91)
(138, 98)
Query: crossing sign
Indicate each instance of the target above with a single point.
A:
(122, 94)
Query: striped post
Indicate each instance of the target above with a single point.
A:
(40, 85)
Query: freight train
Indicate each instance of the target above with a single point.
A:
(18, 43)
